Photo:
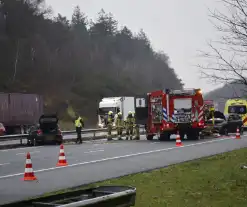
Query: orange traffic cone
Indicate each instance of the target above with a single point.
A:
(61, 160)
(178, 140)
(29, 174)
(238, 134)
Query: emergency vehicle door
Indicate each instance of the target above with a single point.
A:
(141, 109)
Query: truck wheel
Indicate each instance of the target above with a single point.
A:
(29, 143)
(150, 137)
(181, 135)
(164, 137)
(193, 135)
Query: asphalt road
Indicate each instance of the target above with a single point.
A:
(95, 161)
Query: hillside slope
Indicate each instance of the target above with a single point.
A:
(220, 95)
(75, 63)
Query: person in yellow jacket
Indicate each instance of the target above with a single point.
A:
(129, 126)
(136, 128)
(110, 120)
(78, 125)
(212, 110)
(119, 125)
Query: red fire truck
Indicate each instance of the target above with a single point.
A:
(170, 111)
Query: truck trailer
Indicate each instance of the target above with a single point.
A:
(19, 111)
(166, 112)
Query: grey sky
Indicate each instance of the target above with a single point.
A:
(179, 28)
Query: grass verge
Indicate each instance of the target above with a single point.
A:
(215, 181)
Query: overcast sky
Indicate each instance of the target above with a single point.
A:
(178, 27)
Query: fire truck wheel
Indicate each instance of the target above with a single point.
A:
(181, 135)
(164, 137)
(193, 135)
(150, 137)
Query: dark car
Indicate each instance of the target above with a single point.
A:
(47, 132)
(2, 129)
(229, 125)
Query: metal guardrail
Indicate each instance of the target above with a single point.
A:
(24, 136)
(110, 196)
(19, 136)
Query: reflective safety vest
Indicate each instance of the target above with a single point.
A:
(129, 121)
(78, 122)
(134, 119)
(110, 119)
(119, 122)
(212, 109)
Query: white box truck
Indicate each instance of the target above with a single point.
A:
(122, 104)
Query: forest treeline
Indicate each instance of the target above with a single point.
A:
(75, 62)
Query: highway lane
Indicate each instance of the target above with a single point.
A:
(47, 156)
(92, 162)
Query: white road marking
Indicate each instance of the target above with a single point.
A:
(223, 137)
(117, 157)
(33, 152)
(23, 148)
(100, 150)
(4, 164)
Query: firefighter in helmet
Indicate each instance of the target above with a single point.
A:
(136, 128)
(119, 125)
(129, 126)
(110, 119)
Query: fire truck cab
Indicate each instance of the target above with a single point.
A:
(170, 111)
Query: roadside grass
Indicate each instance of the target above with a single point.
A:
(215, 181)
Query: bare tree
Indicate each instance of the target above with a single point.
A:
(226, 61)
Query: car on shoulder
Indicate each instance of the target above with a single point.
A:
(46, 132)
(228, 125)
(2, 129)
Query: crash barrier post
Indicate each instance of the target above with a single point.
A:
(110, 196)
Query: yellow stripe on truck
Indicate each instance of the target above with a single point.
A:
(244, 118)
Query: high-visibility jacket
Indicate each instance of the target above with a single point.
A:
(212, 109)
(110, 119)
(119, 122)
(129, 121)
(133, 120)
(78, 122)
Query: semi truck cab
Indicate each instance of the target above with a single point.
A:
(114, 104)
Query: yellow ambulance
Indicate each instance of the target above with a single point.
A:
(237, 106)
